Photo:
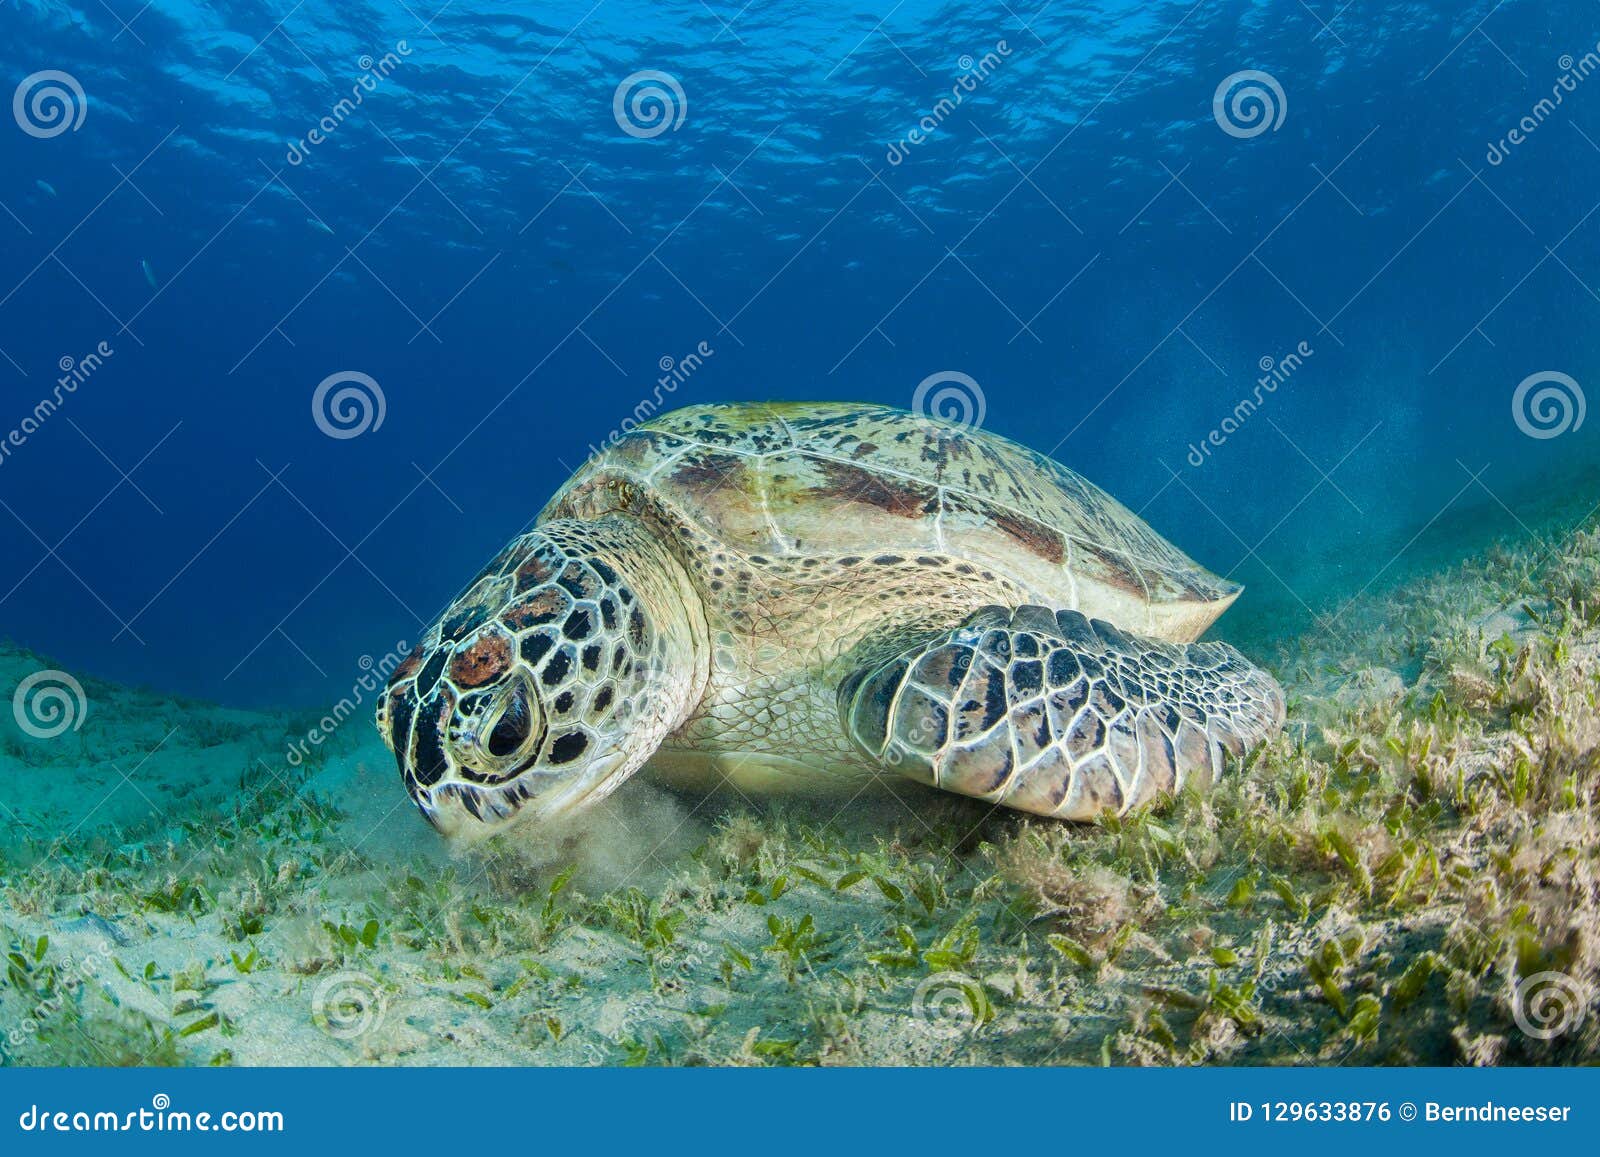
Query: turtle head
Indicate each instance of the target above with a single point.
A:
(552, 679)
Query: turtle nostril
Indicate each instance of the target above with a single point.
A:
(511, 732)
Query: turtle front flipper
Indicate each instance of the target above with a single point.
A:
(1053, 713)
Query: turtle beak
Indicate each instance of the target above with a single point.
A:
(437, 821)
(599, 779)
(493, 810)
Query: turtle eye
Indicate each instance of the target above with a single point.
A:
(514, 726)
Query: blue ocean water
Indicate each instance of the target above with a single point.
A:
(306, 308)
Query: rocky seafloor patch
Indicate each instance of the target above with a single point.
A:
(1409, 874)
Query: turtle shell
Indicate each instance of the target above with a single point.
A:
(787, 480)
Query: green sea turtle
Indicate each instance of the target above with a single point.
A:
(803, 597)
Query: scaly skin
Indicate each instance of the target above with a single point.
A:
(557, 674)
(775, 554)
(1052, 713)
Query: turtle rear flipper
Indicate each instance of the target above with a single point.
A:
(1058, 714)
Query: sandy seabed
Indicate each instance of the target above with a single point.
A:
(1407, 875)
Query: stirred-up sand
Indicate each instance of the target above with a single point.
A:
(1407, 875)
